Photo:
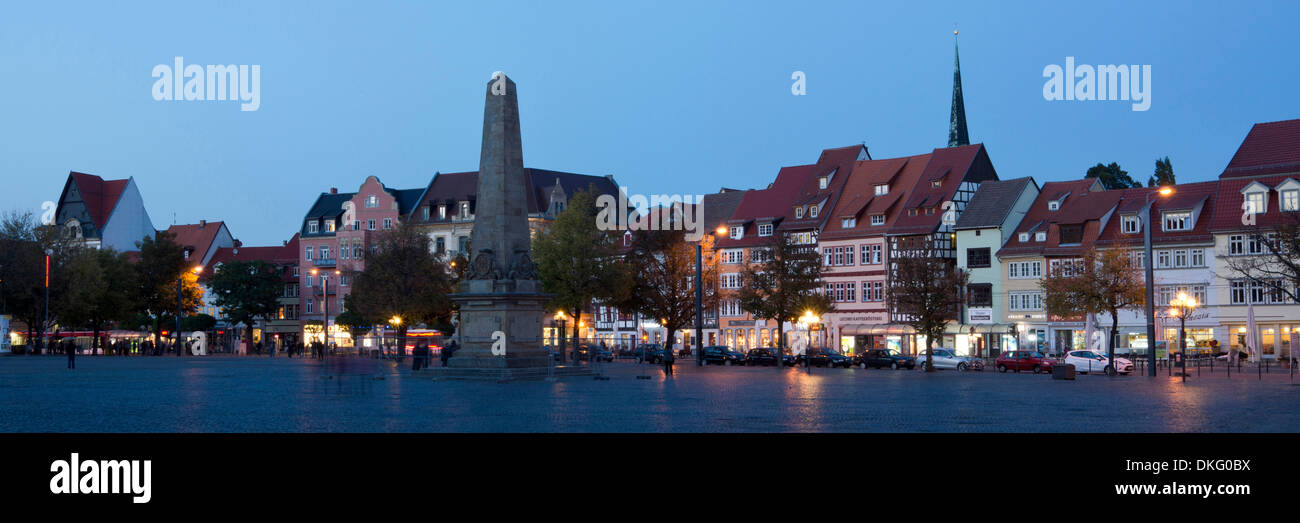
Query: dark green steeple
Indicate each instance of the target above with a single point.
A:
(957, 122)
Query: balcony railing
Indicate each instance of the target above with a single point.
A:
(325, 262)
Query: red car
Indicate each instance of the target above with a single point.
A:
(1019, 360)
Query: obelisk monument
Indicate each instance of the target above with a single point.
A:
(501, 303)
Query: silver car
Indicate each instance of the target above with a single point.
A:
(945, 358)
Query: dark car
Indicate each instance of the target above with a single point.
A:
(649, 353)
(760, 357)
(824, 357)
(882, 358)
(720, 355)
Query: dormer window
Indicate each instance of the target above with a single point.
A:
(372, 201)
(911, 212)
(1289, 200)
(464, 209)
(737, 232)
(823, 182)
(442, 212)
(1054, 205)
(1130, 224)
(424, 213)
(935, 184)
(1040, 236)
(312, 227)
(1256, 198)
(798, 213)
(812, 211)
(882, 189)
(1024, 237)
(329, 225)
(764, 229)
(877, 219)
(848, 223)
(1178, 221)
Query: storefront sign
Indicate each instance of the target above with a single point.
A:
(742, 323)
(979, 315)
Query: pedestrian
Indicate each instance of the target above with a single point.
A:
(446, 352)
(71, 349)
(668, 361)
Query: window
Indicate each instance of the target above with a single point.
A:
(356, 225)
(830, 256)
(822, 183)
(1180, 258)
(312, 227)
(850, 292)
(812, 211)
(440, 245)
(1040, 236)
(310, 305)
(737, 232)
(839, 256)
(1162, 259)
(978, 258)
(1178, 221)
(733, 256)
(388, 223)
(731, 280)
(1071, 234)
(935, 184)
(759, 256)
(877, 219)
(307, 251)
(1053, 205)
(370, 225)
(875, 253)
(848, 223)
(329, 225)
(1256, 203)
(980, 294)
(1290, 200)
(1198, 257)
(1025, 270)
(1238, 292)
(307, 282)
(848, 255)
(882, 189)
(765, 229)
(798, 213)
(424, 213)
(1130, 224)
(464, 210)
(1026, 301)
(1236, 245)
(372, 201)
(324, 252)
(1024, 237)
(442, 212)
(344, 252)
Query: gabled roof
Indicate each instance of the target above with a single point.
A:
(1269, 148)
(859, 200)
(953, 165)
(198, 237)
(992, 202)
(769, 205)
(100, 195)
(838, 163)
(1185, 197)
(720, 206)
(450, 188)
(286, 254)
(1085, 207)
(1230, 199)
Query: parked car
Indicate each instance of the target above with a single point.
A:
(824, 357)
(945, 358)
(1086, 361)
(1018, 360)
(761, 357)
(650, 353)
(881, 358)
(720, 355)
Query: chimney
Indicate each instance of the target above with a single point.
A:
(238, 244)
(202, 223)
(334, 190)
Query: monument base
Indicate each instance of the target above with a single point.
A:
(500, 331)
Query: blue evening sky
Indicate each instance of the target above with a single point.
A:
(669, 97)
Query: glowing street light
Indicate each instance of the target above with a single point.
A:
(1180, 307)
(808, 319)
(1149, 264)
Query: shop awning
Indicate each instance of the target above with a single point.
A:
(863, 329)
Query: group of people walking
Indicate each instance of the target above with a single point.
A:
(423, 354)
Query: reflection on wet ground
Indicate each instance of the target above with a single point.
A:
(217, 394)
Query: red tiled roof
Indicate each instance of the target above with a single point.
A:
(1269, 148)
(772, 203)
(859, 198)
(1185, 197)
(1229, 200)
(1083, 206)
(840, 161)
(952, 165)
(198, 237)
(100, 195)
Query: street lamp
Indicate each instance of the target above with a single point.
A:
(699, 299)
(179, 281)
(808, 319)
(46, 324)
(1179, 307)
(560, 338)
(1149, 264)
(396, 322)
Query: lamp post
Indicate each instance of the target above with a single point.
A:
(808, 319)
(559, 318)
(1149, 264)
(699, 299)
(396, 322)
(1180, 307)
(179, 301)
(46, 324)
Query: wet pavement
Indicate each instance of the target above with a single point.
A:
(231, 394)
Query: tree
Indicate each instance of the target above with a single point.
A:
(780, 282)
(1278, 268)
(925, 293)
(403, 279)
(355, 323)
(162, 263)
(246, 291)
(1112, 176)
(23, 273)
(104, 281)
(578, 262)
(663, 278)
(1101, 282)
(1163, 175)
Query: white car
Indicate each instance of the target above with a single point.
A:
(1086, 361)
(944, 358)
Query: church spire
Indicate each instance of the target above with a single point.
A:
(957, 122)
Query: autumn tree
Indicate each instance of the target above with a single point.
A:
(403, 278)
(246, 291)
(781, 281)
(1101, 282)
(578, 263)
(663, 278)
(162, 263)
(925, 293)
